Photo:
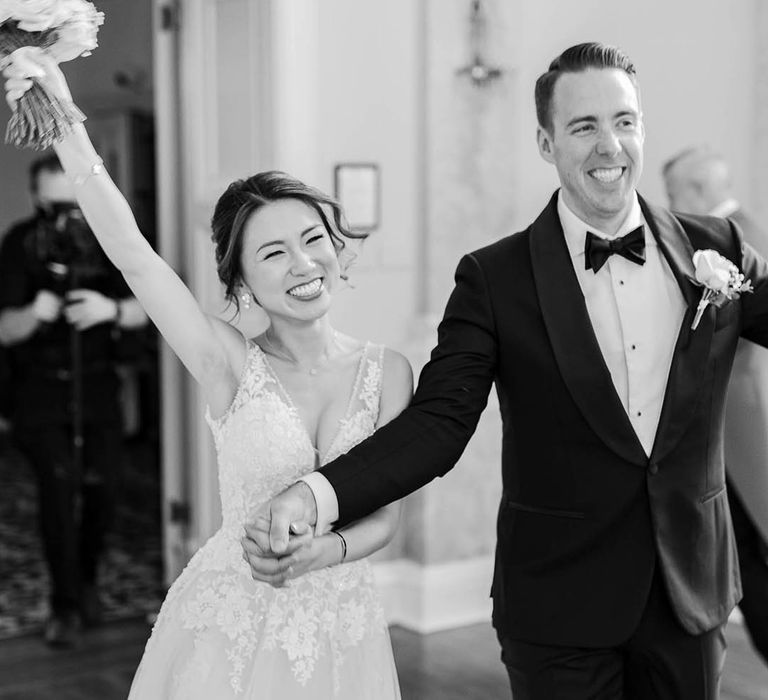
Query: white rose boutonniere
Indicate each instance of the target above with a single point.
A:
(721, 279)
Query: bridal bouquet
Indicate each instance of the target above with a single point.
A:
(65, 29)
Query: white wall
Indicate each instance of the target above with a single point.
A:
(695, 63)
(368, 113)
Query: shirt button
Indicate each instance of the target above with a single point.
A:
(621, 282)
(639, 413)
(653, 468)
(634, 347)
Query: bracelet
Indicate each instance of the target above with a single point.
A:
(343, 546)
(96, 169)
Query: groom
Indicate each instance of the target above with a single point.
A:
(615, 563)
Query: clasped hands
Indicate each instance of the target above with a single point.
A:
(279, 544)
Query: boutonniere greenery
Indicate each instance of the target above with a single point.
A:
(721, 279)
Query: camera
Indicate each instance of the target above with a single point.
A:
(65, 249)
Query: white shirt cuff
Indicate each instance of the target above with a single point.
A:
(325, 501)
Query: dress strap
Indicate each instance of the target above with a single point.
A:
(372, 375)
(354, 395)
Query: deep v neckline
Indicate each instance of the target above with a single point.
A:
(288, 402)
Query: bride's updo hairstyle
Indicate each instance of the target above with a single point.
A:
(245, 197)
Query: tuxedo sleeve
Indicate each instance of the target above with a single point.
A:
(754, 305)
(427, 438)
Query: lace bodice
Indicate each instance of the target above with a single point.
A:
(262, 444)
(326, 629)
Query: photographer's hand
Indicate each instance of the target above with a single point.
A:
(86, 308)
(20, 323)
(46, 307)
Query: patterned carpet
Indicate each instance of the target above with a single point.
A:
(131, 573)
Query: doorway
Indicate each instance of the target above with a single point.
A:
(114, 87)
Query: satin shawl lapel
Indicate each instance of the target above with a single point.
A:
(692, 348)
(573, 340)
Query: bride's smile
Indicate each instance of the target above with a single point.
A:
(289, 261)
(307, 290)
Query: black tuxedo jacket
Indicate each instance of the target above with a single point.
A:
(586, 515)
(746, 447)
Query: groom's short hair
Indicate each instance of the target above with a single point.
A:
(575, 60)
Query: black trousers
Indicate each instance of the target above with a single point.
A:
(660, 661)
(75, 509)
(753, 565)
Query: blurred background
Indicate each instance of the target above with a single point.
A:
(419, 114)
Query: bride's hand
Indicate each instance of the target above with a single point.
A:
(316, 553)
(264, 564)
(28, 65)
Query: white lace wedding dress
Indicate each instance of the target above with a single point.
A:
(219, 633)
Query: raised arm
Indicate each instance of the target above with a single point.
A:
(211, 350)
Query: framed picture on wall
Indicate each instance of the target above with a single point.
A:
(357, 186)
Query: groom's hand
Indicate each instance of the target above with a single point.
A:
(264, 564)
(293, 506)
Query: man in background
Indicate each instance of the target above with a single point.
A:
(63, 310)
(698, 181)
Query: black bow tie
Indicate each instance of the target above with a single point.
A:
(597, 250)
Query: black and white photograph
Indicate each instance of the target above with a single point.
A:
(383, 350)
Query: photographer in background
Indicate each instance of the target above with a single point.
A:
(63, 309)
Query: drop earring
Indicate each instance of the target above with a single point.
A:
(246, 299)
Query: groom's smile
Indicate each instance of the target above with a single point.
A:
(596, 143)
(607, 175)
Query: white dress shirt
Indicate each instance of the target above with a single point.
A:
(636, 313)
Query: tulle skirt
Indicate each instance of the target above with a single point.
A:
(220, 634)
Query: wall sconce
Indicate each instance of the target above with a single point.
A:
(478, 70)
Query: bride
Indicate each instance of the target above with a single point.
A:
(279, 405)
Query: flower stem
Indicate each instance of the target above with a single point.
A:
(706, 298)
